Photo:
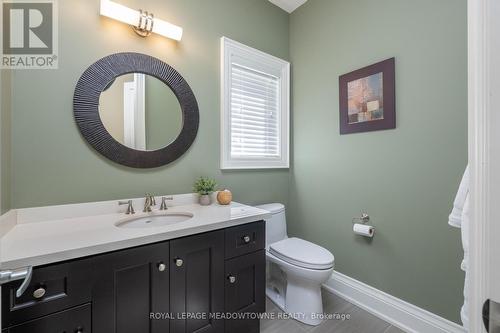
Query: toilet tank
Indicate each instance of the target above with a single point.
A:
(276, 224)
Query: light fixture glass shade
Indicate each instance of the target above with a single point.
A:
(130, 16)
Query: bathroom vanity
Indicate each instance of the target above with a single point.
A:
(182, 277)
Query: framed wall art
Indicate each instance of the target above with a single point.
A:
(368, 98)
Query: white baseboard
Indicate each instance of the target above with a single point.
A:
(395, 311)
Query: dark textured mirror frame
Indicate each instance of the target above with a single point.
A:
(86, 109)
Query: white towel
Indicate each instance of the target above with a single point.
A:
(465, 232)
(460, 218)
(455, 218)
(464, 313)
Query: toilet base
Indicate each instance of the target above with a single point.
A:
(301, 302)
(298, 291)
(276, 298)
(304, 301)
(303, 309)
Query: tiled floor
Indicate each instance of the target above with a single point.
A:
(360, 321)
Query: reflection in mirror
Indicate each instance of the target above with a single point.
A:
(140, 112)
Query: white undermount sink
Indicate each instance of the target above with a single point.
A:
(151, 221)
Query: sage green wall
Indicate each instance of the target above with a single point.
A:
(52, 164)
(405, 178)
(5, 140)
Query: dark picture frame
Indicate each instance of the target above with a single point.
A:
(368, 98)
(99, 76)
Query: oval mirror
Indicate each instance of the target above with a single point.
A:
(136, 110)
(140, 112)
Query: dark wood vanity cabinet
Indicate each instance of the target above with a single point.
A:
(129, 286)
(197, 283)
(244, 291)
(52, 289)
(75, 320)
(185, 285)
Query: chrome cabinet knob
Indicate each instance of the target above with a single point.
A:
(179, 262)
(162, 267)
(232, 279)
(246, 239)
(39, 293)
(79, 330)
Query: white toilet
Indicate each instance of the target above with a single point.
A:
(296, 269)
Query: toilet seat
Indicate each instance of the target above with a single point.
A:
(302, 253)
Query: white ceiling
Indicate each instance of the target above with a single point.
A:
(288, 5)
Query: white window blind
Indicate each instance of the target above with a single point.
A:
(255, 108)
(255, 128)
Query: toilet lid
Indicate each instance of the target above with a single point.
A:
(302, 253)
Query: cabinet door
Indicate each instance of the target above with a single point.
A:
(197, 283)
(132, 286)
(245, 291)
(75, 320)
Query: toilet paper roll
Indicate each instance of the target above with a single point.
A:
(364, 230)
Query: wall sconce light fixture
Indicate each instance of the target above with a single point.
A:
(143, 22)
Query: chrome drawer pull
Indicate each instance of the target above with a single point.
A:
(232, 279)
(179, 262)
(246, 239)
(39, 293)
(162, 267)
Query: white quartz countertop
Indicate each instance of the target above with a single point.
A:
(34, 241)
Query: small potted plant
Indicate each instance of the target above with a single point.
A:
(205, 187)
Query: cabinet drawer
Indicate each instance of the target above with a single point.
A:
(245, 239)
(52, 289)
(74, 320)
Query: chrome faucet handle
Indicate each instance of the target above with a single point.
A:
(130, 208)
(164, 202)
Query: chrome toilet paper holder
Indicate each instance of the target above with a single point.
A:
(364, 219)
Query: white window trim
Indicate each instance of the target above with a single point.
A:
(230, 49)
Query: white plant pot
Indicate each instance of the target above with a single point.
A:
(205, 200)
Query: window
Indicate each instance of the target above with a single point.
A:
(255, 108)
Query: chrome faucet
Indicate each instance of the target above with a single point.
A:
(148, 203)
(130, 208)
